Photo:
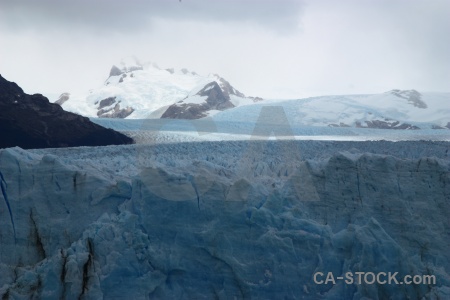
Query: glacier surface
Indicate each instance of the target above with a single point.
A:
(226, 220)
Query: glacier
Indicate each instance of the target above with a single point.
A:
(357, 110)
(217, 220)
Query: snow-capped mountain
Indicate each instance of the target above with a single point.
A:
(137, 90)
(395, 109)
(143, 90)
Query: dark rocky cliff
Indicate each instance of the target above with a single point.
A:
(31, 121)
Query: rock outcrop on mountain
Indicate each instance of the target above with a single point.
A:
(380, 124)
(226, 87)
(386, 124)
(63, 98)
(115, 71)
(414, 97)
(31, 121)
(110, 108)
(255, 99)
(197, 106)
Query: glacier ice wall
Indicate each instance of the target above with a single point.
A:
(69, 232)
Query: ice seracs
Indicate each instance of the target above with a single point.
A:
(87, 223)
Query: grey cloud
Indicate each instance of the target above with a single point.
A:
(121, 16)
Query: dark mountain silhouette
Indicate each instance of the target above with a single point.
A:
(31, 121)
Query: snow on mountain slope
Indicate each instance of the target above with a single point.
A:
(391, 110)
(141, 90)
(86, 223)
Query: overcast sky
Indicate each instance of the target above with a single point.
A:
(268, 48)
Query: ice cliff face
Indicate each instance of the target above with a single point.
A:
(70, 231)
